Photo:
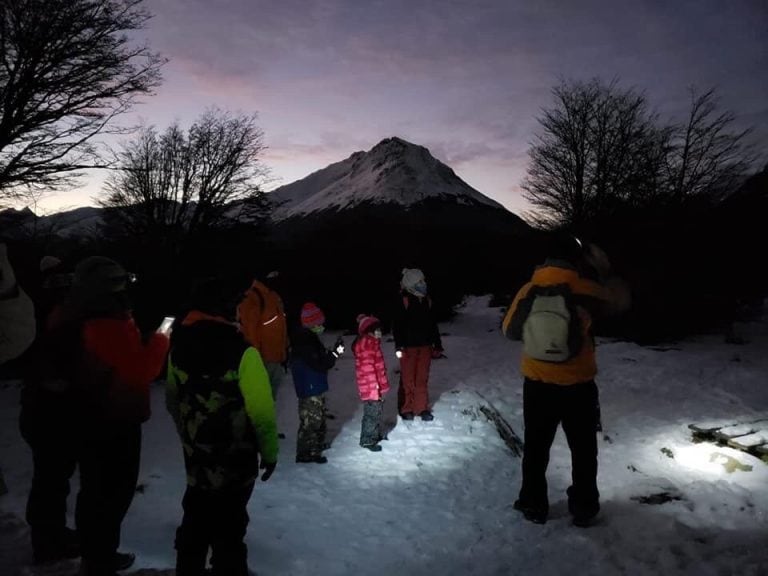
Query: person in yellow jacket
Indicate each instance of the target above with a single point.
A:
(262, 321)
(564, 391)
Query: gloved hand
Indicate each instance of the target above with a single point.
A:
(269, 468)
(338, 347)
(399, 354)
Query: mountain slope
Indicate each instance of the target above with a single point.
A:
(392, 172)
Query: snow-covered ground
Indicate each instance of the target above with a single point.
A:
(438, 499)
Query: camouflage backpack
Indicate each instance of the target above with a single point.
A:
(220, 445)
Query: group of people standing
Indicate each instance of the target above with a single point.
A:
(88, 393)
(226, 359)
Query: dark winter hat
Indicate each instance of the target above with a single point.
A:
(215, 296)
(98, 276)
(566, 247)
(311, 315)
(367, 323)
(49, 263)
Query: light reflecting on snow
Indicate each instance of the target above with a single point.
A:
(707, 458)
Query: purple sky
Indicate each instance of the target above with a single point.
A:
(466, 79)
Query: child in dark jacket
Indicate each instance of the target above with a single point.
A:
(310, 363)
(218, 393)
(372, 382)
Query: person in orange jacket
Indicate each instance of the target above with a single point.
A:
(564, 392)
(262, 321)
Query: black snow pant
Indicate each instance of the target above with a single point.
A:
(576, 407)
(109, 468)
(310, 440)
(370, 432)
(215, 519)
(54, 442)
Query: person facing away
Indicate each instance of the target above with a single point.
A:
(417, 341)
(55, 285)
(564, 392)
(310, 363)
(48, 420)
(262, 321)
(219, 396)
(114, 368)
(372, 382)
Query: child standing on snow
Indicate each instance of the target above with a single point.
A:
(310, 363)
(371, 375)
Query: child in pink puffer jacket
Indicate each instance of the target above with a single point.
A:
(371, 375)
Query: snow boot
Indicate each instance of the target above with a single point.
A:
(317, 459)
(535, 515)
(407, 415)
(427, 416)
(372, 447)
(124, 560)
(46, 548)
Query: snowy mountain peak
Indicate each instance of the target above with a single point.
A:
(394, 171)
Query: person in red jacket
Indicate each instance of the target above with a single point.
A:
(114, 368)
(372, 382)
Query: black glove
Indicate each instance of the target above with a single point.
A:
(269, 468)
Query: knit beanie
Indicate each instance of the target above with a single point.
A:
(366, 324)
(311, 315)
(412, 277)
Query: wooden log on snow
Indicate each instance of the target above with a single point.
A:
(730, 432)
(750, 441)
(511, 439)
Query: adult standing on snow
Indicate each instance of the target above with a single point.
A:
(262, 321)
(49, 420)
(562, 390)
(417, 341)
(219, 396)
(115, 367)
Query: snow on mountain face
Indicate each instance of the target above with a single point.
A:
(393, 171)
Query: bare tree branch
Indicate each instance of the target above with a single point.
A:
(67, 70)
(176, 184)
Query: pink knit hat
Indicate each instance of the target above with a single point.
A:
(366, 323)
(311, 315)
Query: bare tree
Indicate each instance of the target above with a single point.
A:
(178, 184)
(67, 69)
(598, 148)
(708, 156)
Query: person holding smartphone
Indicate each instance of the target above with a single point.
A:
(110, 377)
